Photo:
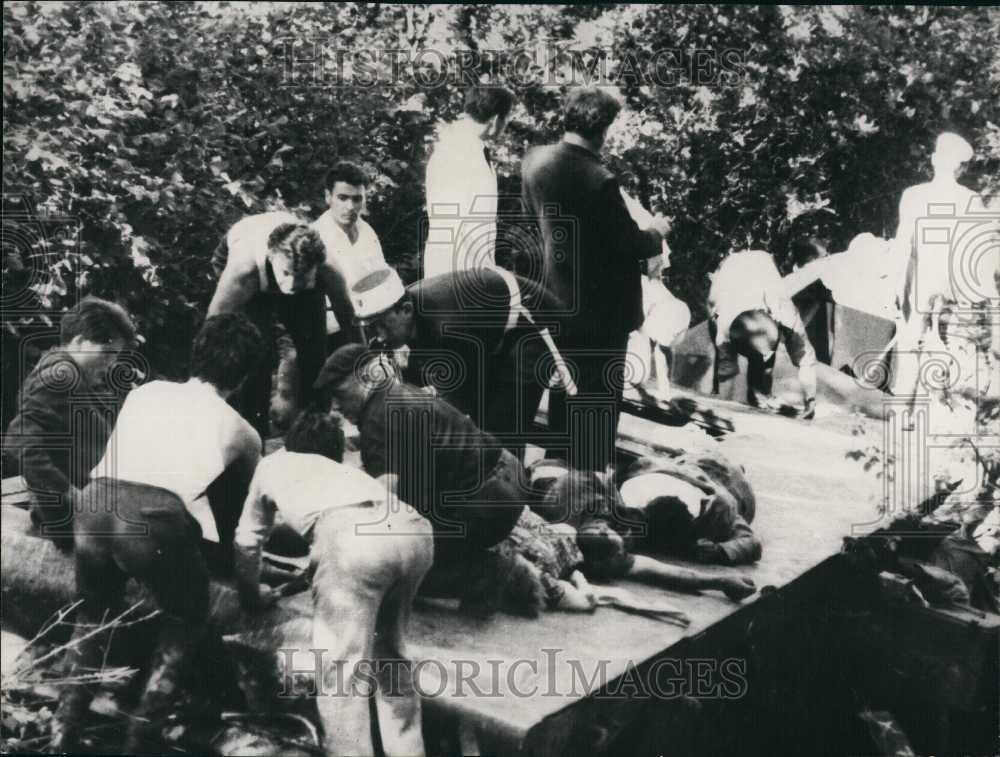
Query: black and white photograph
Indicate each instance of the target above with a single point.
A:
(537, 380)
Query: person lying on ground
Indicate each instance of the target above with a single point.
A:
(66, 412)
(367, 560)
(273, 268)
(751, 314)
(591, 505)
(697, 506)
(460, 478)
(173, 442)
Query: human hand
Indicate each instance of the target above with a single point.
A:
(809, 410)
(738, 587)
(265, 598)
(660, 224)
(707, 551)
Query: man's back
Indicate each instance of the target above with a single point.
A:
(587, 234)
(177, 436)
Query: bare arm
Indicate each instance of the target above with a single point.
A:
(334, 284)
(238, 283)
(256, 523)
(651, 571)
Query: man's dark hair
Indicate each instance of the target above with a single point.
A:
(225, 350)
(97, 321)
(306, 247)
(317, 433)
(484, 102)
(805, 250)
(671, 528)
(588, 111)
(347, 172)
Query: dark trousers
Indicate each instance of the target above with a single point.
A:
(515, 382)
(486, 517)
(303, 316)
(585, 427)
(132, 530)
(760, 372)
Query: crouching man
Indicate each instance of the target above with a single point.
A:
(751, 314)
(369, 555)
(470, 488)
(173, 442)
(273, 268)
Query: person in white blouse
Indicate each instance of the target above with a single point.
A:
(353, 248)
(462, 185)
(369, 555)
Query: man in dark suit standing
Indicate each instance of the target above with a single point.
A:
(594, 254)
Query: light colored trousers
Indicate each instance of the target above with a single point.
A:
(368, 565)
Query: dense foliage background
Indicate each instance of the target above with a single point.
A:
(134, 134)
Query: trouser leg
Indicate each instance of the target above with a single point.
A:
(350, 579)
(100, 585)
(168, 561)
(304, 317)
(398, 700)
(589, 421)
(254, 398)
(515, 384)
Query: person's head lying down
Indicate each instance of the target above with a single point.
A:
(697, 507)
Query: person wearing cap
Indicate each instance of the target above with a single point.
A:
(462, 185)
(459, 477)
(592, 262)
(67, 402)
(471, 334)
(751, 313)
(272, 267)
(367, 556)
(353, 248)
(927, 266)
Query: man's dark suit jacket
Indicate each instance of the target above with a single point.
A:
(592, 247)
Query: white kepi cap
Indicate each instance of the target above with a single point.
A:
(375, 293)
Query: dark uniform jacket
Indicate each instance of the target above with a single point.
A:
(592, 246)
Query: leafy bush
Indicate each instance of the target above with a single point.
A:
(153, 126)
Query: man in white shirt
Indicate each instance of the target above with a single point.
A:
(751, 313)
(353, 249)
(462, 185)
(369, 554)
(172, 443)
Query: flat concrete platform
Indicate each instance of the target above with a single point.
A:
(517, 685)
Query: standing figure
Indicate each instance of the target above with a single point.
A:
(593, 254)
(462, 185)
(939, 238)
(173, 442)
(368, 556)
(353, 249)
